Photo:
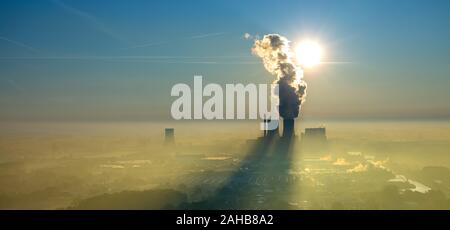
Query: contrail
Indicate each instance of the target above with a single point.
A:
(217, 60)
(147, 45)
(19, 44)
(206, 35)
(195, 62)
(90, 19)
(200, 36)
(124, 57)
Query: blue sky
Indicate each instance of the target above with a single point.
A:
(117, 60)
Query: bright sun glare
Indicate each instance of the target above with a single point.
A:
(308, 53)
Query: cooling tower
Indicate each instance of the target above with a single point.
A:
(288, 127)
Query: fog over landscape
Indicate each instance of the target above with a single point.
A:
(160, 104)
(366, 165)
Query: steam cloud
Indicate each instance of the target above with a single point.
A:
(276, 54)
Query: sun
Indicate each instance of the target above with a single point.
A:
(308, 53)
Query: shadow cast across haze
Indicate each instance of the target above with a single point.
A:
(262, 181)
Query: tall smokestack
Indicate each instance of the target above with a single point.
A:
(169, 136)
(278, 59)
(288, 128)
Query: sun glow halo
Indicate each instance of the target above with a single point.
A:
(308, 54)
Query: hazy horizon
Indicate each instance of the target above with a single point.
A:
(91, 61)
(87, 120)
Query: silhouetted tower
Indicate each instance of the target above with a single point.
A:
(314, 140)
(169, 136)
(288, 127)
(315, 134)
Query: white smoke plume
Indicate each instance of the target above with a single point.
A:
(277, 57)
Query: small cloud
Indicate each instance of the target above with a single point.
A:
(354, 153)
(247, 36)
(358, 168)
(341, 162)
(379, 164)
(326, 158)
(113, 166)
(399, 178)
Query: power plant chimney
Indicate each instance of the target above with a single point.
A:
(288, 127)
(169, 137)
